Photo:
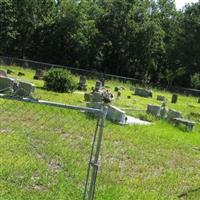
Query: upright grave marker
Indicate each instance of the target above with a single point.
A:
(174, 98)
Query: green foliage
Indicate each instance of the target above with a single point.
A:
(59, 80)
(195, 80)
(147, 40)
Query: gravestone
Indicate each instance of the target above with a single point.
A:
(173, 114)
(163, 111)
(3, 73)
(143, 92)
(82, 83)
(25, 89)
(96, 97)
(98, 86)
(161, 98)
(6, 84)
(116, 115)
(39, 73)
(154, 110)
(174, 98)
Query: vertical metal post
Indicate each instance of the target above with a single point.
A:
(93, 163)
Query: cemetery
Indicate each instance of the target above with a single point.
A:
(149, 134)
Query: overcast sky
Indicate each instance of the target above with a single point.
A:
(181, 3)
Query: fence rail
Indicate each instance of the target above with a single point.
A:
(89, 73)
(47, 126)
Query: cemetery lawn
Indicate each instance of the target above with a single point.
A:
(159, 161)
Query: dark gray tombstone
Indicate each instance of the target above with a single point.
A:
(174, 98)
(173, 114)
(154, 110)
(143, 92)
(39, 73)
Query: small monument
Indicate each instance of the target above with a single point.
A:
(143, 92)
(174, 98)
(82, 83)
(173, 114)
(163, 111)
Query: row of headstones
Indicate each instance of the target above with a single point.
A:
(161, 111)
(148, 93)
(171, 115)
(83, 87)
(21, 88)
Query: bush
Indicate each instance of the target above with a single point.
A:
(59, 80)
(195, 81)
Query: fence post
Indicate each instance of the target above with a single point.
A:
(94, 157)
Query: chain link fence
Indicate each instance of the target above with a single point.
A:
(58, 142)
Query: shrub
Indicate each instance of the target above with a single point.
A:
(195, 81)
(59, 80)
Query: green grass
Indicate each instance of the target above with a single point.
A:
(44, 150)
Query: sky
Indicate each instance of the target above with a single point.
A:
(180, 3)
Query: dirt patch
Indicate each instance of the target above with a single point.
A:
(55, 166)
(5, 130)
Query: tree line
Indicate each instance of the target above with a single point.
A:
(145, 39)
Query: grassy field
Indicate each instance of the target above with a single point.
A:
(44, 150)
